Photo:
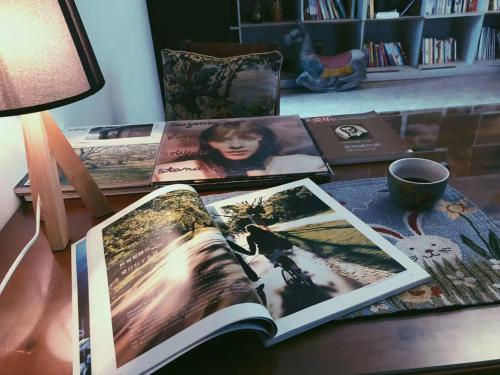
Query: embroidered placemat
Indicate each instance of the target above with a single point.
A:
(455, 242)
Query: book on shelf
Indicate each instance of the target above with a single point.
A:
(237, 151)
(488, 42)
(438, 51)
(120, 158)
(168, 273)
(439, 7)
(359, 138)
(388, 9)
(317, 10)
(494, 5)
(381, 54)
(387, 15)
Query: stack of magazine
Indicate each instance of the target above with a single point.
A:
(168, 273)
(226, 153)
(215, 153)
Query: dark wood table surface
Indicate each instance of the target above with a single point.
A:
(35, 308)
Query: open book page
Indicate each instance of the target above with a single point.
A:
(309, 257)
(161, 280)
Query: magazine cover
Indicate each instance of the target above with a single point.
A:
(242, 149)
(116, 156)
(358, 138)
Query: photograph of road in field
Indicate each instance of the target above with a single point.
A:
(168, 267)
(300, 252)
(117, 164)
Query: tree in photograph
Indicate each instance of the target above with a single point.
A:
(155, 224)
(239, 215)
(89, 155)
(281, 207)
(291, 205)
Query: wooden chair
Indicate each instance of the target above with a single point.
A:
(226, 49)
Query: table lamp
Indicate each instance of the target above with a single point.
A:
(46, 61)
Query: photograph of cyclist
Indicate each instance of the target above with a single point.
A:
(298, 255)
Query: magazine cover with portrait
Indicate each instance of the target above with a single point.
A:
(236, 150)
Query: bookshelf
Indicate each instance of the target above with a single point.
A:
(332, 36)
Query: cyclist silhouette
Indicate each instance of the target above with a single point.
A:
(275, 249)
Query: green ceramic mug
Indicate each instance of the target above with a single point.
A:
(417, 184)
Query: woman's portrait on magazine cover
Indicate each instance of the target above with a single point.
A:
(213, 149)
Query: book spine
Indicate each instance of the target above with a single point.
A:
(422, 57)
(335, 10)
(312, 9)
(385, 54)
(331, 13)
(329, 10)
(324, 13)
(431, 50)
(372, 50)
(317, 10)
(320, 10)
(341, 8)
(403, 54)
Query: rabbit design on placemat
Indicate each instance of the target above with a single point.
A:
(455, 279)
(422, 248)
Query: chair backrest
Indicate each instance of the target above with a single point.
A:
(228, 49)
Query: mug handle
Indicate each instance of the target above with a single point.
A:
(445, 164)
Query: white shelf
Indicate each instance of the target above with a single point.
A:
(389, 69)
(395, 19)
(452, 64)
(494, 62)
(248, 25)
(339, 35)
(452, 15)
(339, 20)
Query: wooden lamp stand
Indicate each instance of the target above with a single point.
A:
(46, 146)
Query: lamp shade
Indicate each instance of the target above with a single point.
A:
(46, 59)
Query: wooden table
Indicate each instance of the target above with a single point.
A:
(35, 309)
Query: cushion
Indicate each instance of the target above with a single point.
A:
(199, 86)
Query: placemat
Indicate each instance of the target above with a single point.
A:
(455, 242)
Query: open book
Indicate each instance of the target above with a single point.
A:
(168, 273)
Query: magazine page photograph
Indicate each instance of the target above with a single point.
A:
(162, 280)
(243, 148)
(308, 257)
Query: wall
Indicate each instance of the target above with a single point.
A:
(120, 36)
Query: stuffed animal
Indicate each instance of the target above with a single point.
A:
(324, 73)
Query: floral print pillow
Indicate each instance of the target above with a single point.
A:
(199, 86)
